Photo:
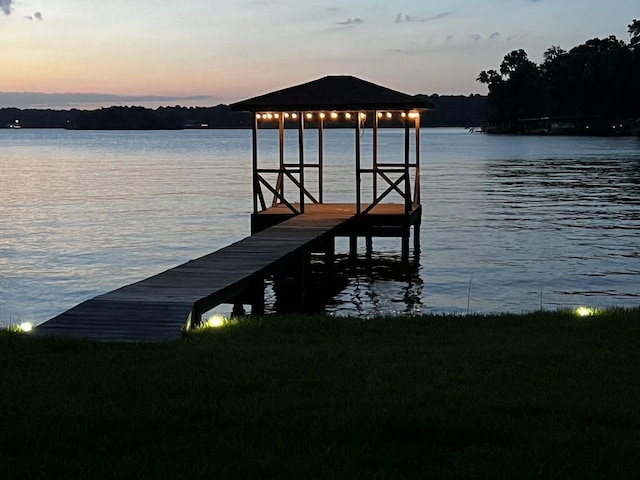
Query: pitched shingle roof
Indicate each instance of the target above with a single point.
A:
(334, 93)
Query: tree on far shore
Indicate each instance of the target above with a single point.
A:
(634, 31)
(598, 79)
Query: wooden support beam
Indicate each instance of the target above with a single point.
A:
(256, 184)
(301, 159)
(320, 159)
(405, 244)
(358, 168)
(416, 188)
(330, 250)
(408, 201)
(280, 180)
(353, 246)
(375, 156)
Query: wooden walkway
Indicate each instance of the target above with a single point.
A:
(157, 308)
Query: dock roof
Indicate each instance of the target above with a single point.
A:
(336, 92)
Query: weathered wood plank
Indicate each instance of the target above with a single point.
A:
(156, 308)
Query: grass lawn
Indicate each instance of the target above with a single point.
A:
(543, 395)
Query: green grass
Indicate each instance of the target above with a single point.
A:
(544, 395)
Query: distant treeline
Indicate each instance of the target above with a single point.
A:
(460, 111)
(456, 111)
(127, 118)
(592, 88)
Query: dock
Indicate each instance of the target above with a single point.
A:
(290, 219)
(158, 308)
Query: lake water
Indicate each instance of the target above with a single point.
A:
(510, 223)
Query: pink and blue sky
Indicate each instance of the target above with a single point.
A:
(92, 53)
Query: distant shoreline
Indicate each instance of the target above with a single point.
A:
(451, 111)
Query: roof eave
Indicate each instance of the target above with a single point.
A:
(254, 108)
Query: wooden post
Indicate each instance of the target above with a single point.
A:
(358, 168)
(301, 159)
(321, 159)
(353, 246)
(375, 156)
(408, 201)
(416, 193)
(280, 180)
(405, 242)
(256, 186)
(330, 250)
(407, 180)
(238, 310)
(196, 316)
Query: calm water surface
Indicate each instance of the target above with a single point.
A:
(510, 223)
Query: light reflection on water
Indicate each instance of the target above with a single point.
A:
(510, 223)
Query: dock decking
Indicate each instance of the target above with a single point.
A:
(157, 308)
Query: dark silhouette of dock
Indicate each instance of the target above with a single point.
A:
(157, 308)
(290, 219)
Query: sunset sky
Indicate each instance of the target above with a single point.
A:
(206, 52)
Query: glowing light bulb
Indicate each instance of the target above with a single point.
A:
(334, 115)
(294, 116)
(216, 321)
(286, 115)
(26, 327)
(379, 114)
(258, 116)
(322, 115)
(584, 311)
(389, 115)
(347, 116)
(309, 116)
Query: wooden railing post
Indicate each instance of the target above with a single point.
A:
(358, 169)
(256, 186)
(320, 158)
(407, 179)
(375, 156)
(416, 188)
(280, 179)
(301, 159)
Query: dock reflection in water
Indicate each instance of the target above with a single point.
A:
(363, 287)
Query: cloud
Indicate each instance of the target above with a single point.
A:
(474, 36)
(36, 16)
(438, 16)
(494, 35)
(92, 100)
(352, 21)
(5, 6)
(404, 18)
